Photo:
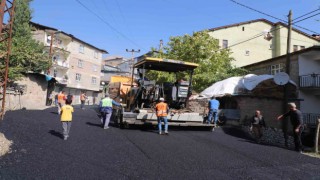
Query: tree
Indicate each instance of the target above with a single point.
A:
(201, 48)
(26, 53)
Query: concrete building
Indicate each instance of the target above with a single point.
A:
(75, 64)
(305, 72)
(257, 40)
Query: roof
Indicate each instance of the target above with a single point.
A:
(167, 65)
(266, 21)
(70, 35)
(238, 85)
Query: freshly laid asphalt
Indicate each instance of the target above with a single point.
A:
(39, 152)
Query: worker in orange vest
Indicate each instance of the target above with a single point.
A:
(61, 100)
(162, 110)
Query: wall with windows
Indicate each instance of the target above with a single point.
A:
(85, 63)
(245, 52)
(250, 43)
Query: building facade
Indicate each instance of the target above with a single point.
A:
(75, 64)
(305, 72)
(258, 40)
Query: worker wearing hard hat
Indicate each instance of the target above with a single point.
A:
(162, 110)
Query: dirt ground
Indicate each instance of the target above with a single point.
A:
(4, 145)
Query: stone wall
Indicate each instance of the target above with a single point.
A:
(271, 136)
(33, 93)
(270, 109)
(246, 105)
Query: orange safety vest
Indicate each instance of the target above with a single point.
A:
(61, 98)
(162, 109)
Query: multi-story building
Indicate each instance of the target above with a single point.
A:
(258, 40)
(305, 72)
(75, 64)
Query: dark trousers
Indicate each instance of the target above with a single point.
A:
(297, 139)
(82, 103)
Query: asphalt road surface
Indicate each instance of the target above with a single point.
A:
(39, 152)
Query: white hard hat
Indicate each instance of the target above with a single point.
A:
(161, 99)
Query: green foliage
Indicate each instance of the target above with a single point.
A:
(201, 48)
(26, 53)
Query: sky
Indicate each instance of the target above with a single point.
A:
(117, 25)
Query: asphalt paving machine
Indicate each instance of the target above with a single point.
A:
(140, 101)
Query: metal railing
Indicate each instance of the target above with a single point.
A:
(310, 119)
(310, 81)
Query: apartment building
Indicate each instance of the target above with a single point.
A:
(75, 64)
(257, 40)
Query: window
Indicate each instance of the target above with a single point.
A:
(247, 52)
(276, 69)
(94, 68)
(224, 44)
(80, 63)
(49, 39)
(78, 77)
(295, 48)
(94, 80)
(302, 47)
(95, 54)
(81, 48)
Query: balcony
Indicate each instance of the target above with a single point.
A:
(310, 119)
(62, 80)
(60, 64)
(311, 81)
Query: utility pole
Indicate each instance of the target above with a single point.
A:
(286, 86)
(286, 93)
(131, 69)
(6, 10)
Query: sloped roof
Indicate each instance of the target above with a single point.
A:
(70, 35)
(266, 21)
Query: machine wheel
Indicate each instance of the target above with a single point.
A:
(119, 119)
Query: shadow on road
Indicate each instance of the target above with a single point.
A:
(54, 112)
(56, 133)
(94, 124)
(236, 132)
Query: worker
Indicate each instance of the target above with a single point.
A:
(162, 110)
(106, 110)
(83, 98)
(213, 107)
(61, 100)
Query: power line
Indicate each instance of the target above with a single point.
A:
(306, 14)
(261, 34)
(276, 17)
(307, 18)
(257, 10)
(108, 24)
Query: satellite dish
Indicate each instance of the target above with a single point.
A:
(249, 82)
(281, 78)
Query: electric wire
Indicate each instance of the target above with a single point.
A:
(109, 25)
(261, 34)
(279, 18)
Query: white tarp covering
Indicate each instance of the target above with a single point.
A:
(235, 85)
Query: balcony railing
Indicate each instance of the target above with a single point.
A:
(62, 64)
(310, 119)
(310, 81)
